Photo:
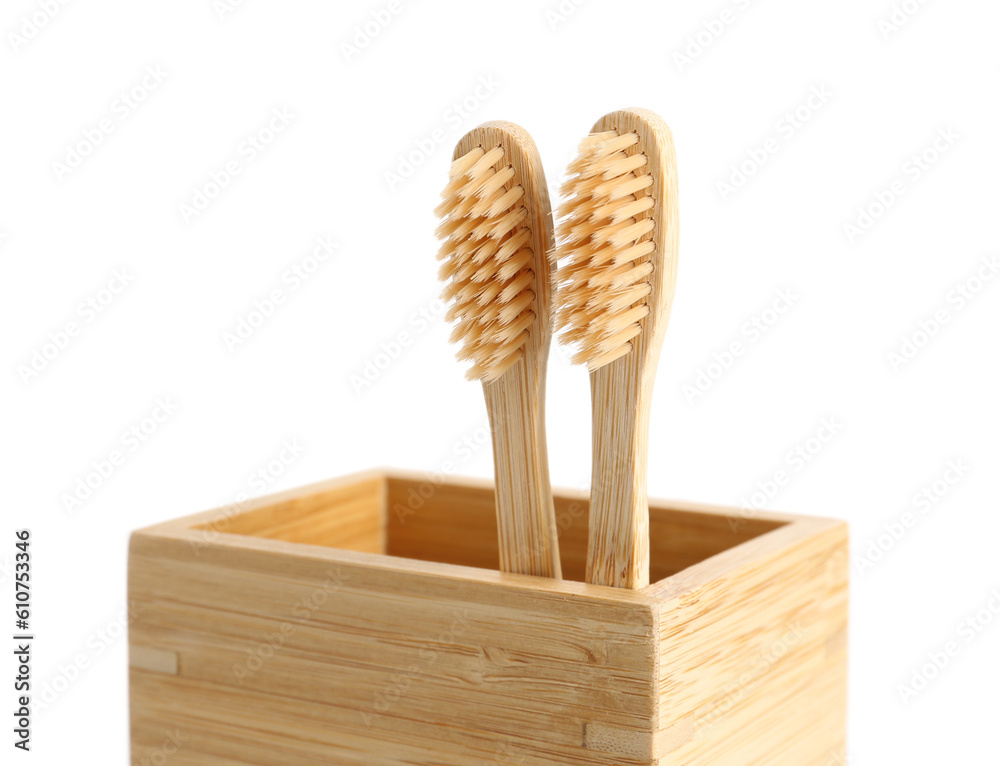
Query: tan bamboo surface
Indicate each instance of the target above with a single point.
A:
(363, 622)
(515, 401)
(621, 390)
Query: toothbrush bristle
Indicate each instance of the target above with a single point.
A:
(486, 262)
(604, 248)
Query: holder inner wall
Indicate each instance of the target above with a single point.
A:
(418, 518)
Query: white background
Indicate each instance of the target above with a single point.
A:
(857, 295)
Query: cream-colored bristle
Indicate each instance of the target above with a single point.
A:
(604, 248)
(486, 254)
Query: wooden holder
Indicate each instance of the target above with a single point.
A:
(363, 622)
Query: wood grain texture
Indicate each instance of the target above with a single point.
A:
(294, 653)
(752, 661)
(621, 392)
(515, 401)
(681, 534)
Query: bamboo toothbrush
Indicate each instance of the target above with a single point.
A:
(497, 239)
(617, 253)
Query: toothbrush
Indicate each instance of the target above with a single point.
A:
(497, 239)
(617, 254)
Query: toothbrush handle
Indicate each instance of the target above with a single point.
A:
(618, 548)
(526, 519)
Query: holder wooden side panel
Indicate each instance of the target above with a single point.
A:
(258, 648)
(393, 659)
(770, 688)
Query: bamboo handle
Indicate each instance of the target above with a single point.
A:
(618, 549)
(526, 519)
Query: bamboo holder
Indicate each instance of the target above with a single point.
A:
(363, 622)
